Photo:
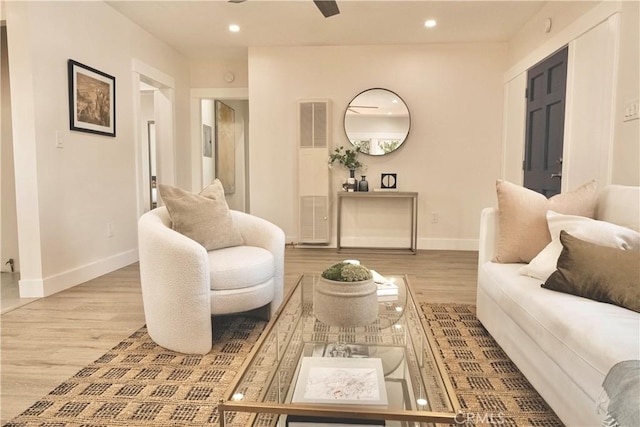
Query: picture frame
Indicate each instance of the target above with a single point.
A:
(225, 146)
(92, 100)
(389, 181)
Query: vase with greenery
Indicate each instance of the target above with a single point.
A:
(347, 158)
(347, 272)
(346, 295)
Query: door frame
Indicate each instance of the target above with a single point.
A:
(197, 95)
(164, 116)
(9, 246)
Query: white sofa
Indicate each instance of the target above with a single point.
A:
(563, 344)
(184, 285)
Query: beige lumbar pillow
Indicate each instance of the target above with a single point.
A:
(523, 222)
(203, 217)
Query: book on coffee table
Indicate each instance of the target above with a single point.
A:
(302, 421)
(385, 286)
(330, 380)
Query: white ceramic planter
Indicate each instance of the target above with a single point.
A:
(345, 303)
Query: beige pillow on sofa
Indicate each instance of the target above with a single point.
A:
(203, 217)
(587, 229)
(523, 222)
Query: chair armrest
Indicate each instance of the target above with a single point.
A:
(489, 233)
(259, 232)
(174, 274)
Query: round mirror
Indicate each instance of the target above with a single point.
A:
(377, 121)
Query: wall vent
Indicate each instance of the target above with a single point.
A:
(313, 173)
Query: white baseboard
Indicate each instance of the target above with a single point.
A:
(448, 244)
(70, 278)
(375, 242)
(423, 243)
(31, 288)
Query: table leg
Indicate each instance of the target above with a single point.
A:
(339, 224)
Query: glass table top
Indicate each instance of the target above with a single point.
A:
(414, 384)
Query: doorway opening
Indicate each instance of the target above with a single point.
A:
(148, 142)
(9, 253)
(153, 186)
(155, 124)
(224, 149)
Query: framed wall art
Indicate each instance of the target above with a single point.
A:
(389, 181)
(225, 142)
(92, 100)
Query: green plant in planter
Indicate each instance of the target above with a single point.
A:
(347, 272)
(347, 158)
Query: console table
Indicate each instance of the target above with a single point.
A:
(384, 195)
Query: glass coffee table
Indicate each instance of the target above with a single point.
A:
(303, 372)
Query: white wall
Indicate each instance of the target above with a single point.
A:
(66, 197)
(211, 74)
(626, 149)
(452, 155)
(532, 35)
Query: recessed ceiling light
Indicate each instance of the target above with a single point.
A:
(234, 28)
(430, 23)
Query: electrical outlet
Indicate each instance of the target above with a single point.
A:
(435, 217)
(111, 229)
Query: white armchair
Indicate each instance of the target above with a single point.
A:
(183, 285)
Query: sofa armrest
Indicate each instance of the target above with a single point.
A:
(174, 274)
(259, 232)
(489, 233)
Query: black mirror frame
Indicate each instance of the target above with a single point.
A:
(344, 119)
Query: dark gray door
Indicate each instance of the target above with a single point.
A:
(546, 91)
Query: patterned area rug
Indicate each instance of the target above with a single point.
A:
(138, 383)
(489, 386)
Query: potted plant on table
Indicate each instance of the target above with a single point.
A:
(347, 158)
(346, 296)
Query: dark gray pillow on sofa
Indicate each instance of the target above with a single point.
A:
(597, 272)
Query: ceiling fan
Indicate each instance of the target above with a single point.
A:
(327, 7)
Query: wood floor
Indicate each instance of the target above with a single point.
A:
(49, 340)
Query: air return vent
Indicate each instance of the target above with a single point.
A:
(313, 173)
